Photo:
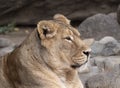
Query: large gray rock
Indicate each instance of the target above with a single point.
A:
(6, 50)
(96, 48)
(105, 80)
(6, 46)
(105, 73)
(111, 46)
(111, 62)
(106, 63)
(5, 43)
(107, 46)
(31, 11)
(99, 62)
(118, 14)
(84, 76)
(99, 26)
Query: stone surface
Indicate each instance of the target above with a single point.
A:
(111, 46)
(105, 80)
(118, 14)
(27, 12)
(96, 48)
(107, 46)
(84, 76)
(106, 63)
(99, 62)
(99, 26)
(6, 50)
(107, 39)
(6, 46)
(5, 43)
(111, 62)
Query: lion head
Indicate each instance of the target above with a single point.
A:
(63, 43)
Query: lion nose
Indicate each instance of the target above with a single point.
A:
(87, 52)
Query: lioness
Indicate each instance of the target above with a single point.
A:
(48, 58)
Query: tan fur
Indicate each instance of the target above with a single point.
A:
(45, 58)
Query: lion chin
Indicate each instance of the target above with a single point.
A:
(47, 58)
(75, 66)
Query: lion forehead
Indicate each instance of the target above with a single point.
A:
(67, 28)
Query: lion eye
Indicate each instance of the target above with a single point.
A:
(68, 38)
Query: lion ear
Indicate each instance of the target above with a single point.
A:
(61, 18)
(46, 29)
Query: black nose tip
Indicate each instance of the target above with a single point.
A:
(87, 53)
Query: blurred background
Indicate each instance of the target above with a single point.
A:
(29, 12)
(24, 14)
(21, 16)
(98, 20)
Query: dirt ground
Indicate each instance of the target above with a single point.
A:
(17, 36)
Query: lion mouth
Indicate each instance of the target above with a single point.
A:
(76, 65)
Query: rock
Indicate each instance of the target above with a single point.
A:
(99, 62)
(111, 46)
(107, 39)
(6, 50)
(105, 80)
(6, 46)
(107, 46)
(118, 14)
(106, 63)
(99, 26)
(84, 76)
(96, 48)
(104, 70)
(5, 43)
(35, 10)
(111, 62)
(97, 81)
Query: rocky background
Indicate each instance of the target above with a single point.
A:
(29, 12)
(103, 70)
(97, 19)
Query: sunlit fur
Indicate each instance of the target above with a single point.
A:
(45, 58)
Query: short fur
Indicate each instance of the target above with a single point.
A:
(48, 58)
